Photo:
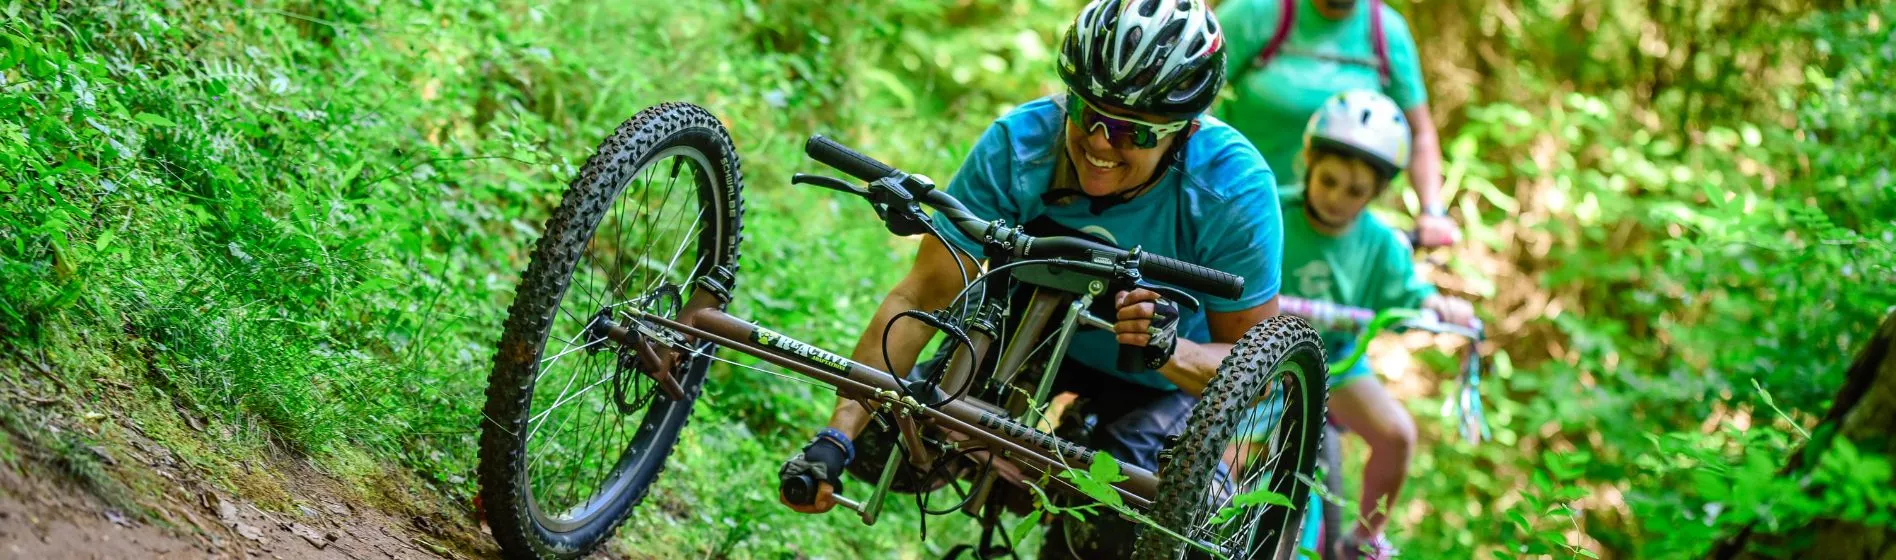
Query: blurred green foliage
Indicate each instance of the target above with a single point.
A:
(303, 219)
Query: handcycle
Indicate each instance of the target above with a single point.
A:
(1465, 405)
(608, 340)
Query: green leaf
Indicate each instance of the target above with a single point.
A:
(351, 174)
(1091, 484)
(1261, 496)
(1026, 526)
(1105, 469)
(1710, 486)
(78, 166)
(154, 120)
(104, 240)
(1100, 491)
(1520, 521)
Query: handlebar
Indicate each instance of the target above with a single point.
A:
(801, 490)
(1466, 404)
(1157, 267)
(829, 152)
(1333, 316)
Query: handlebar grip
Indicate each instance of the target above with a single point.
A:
(799, 489)
(1192, 277)
(833, 154)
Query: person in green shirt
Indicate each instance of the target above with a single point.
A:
(1335, 251)
(1288, 56)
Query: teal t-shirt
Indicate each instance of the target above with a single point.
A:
(1366, 266)
(1215, 208)
(1321, 58)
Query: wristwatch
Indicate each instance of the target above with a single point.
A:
(1435, 209)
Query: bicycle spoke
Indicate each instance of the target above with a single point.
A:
(559, 402)
(539, 420)
(594, 448)
(577, 464)
(545, 362)
(657, 217)
(618, 246)
(683, 242)
(687, 283)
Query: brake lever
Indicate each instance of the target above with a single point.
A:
(1130, 357)
(1177, 296)
(828, 182)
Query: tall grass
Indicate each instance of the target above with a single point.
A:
(303, 219)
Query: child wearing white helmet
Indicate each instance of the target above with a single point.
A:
(1334, 251)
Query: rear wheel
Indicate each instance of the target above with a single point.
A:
(575, 430)
(1279, 362)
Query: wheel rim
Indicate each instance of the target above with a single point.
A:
(1254, 463)
(593, 417)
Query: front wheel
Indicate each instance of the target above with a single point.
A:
(1230, 454)
(575, 429)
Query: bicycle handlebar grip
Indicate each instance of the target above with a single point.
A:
(833, 154)
(799, 489)
(1192, 277)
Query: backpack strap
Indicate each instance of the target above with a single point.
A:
(1381, 43)
(1286, 16)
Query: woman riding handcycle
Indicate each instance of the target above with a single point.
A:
(1075, 200)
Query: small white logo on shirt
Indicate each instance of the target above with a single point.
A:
(1313, 278)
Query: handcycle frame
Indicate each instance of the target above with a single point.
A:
(1068, 273)
(878, 391)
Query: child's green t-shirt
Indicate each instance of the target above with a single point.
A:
(1366, 266)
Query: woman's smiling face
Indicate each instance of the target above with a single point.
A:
(1106, 167)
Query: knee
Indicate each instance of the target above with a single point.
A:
(1397, 435)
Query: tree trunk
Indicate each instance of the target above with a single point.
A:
(1864, 412)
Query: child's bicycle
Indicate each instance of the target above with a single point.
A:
(623, 308)
(1465, 406)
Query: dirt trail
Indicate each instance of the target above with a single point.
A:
(45, 515)
(119, 494)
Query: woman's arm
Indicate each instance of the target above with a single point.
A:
(1425, 172)
(1193, 364)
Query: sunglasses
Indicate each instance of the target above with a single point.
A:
(1120, 131)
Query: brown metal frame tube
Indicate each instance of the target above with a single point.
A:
(861, 382)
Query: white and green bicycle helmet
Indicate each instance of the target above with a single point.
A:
(1364, 124)
(1162, 57)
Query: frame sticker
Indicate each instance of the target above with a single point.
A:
(1043, 440)
(818, 356)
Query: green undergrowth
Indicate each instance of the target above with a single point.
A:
(297, 224)
(255, 228)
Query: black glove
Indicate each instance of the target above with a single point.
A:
(1158, 350)
(822, 460)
